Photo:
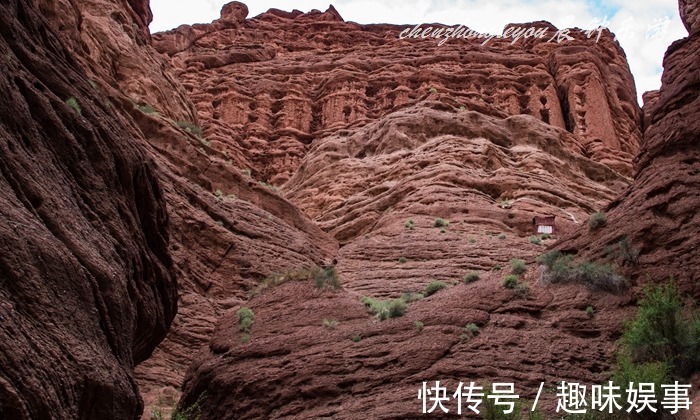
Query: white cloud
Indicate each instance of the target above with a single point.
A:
(644, 55)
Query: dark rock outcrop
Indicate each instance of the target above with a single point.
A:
(86, 283)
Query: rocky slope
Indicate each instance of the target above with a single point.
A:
(130, 198)
(658, 214)
(367, 132)
(86, 280)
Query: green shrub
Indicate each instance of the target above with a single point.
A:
(562, 269)
(517, 266)
(502, 236)
(410, 296)
(626, 371)
(545, 236)
(219, 194)
(146, 109)
(191, 412)
(470, 330)
(534, 239)
(522, 290)
(326, 277)
(549, 258)
(506, 203)
(434, 287)
(471, 277)
(330, 323)
(439, 222)
(356, 338)
(410, 224)
(497, 267)
(73, 103)
(418, 325)
(472, 240)
(190, 128)
(597, 220)
(590, 311)
(403, 260)
(491, 411)
(510, 281)
(245, 322)
(662, 332)
(628, 254)
(442, 230)
(322, 277)
(385, 309)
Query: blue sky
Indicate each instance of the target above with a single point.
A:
(645, 27)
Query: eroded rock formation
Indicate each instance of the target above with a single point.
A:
(86, 282)
(368, 132)
(658, 215)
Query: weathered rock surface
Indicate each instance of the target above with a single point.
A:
(86, 283)
(90, 247)
(267, 87)
(367, 131)
(658, 214)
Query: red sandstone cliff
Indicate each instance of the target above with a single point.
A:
(658, 214)
(86, 280)
(364, 132)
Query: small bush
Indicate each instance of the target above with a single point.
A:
(410, 224)
(517, 266)
(356, 338)
(385, 309)
(534, 239)
(190, 128)
(470, 330)
(246, 172)
(418, 325)
(471, 277)
(219, 194)
(73, 103)
(597, 220)
(590, 311)
(510, 281)
(191, 412)
(326, 277)
(442, 230)
(491, 411)
(626, 371)
(502, 236)
(403, 260)
(628, 254)
(439, 222)
(545, 236)
(330, 323)
(245, 322)
(522, 290)
(562, 269)
(409, 297)
(147, 109)
(663, 331)
(506, 203)
(434, 287)
(472, 240)
(322, 277)
(497, 267)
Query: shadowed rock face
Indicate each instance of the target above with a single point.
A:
(658, 214)
(86, 283)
